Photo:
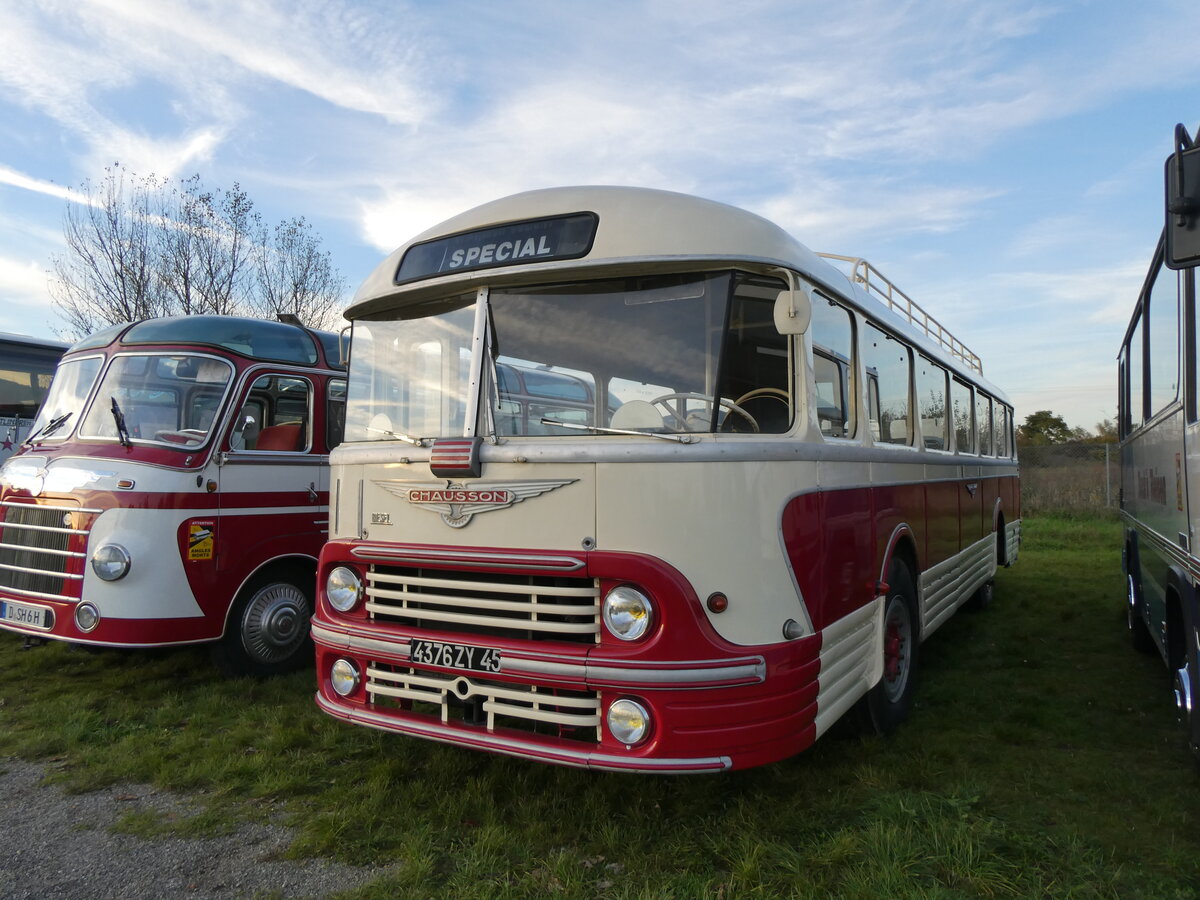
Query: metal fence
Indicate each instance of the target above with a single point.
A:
(1071, 478)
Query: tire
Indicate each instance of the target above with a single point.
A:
(268, 628)
(889, 702)
(981, 599)
(1139, 634)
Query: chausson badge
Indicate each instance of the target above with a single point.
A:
(458, 503)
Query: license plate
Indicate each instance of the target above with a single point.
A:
(24, 614)
(455, 656)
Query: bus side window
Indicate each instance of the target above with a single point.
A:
(983, 419)
(887, 362)
(832, 331)
(1137, 402)
(931, 404)
(1162, 322)
(964, 419)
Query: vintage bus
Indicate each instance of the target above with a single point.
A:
(1159, 426)
(26, 367)
(729, 494)
(174, 490)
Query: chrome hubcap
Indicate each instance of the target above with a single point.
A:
(274, 623)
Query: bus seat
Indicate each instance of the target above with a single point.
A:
(289, 436)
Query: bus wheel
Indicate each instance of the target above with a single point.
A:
(982, 598)
(887, 704)
(268, 630)
(1139, 634)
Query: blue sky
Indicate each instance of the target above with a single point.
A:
(1000, 161)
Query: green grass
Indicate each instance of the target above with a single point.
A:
(1042, 760)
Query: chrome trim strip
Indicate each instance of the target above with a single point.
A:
(467, 558)
(1187, 561)
(526, 749)
(742, 669)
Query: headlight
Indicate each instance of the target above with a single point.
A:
(87, 617)
(628, 722)
(344, 589)
(627, 613)
(111, 562)
(343, 675)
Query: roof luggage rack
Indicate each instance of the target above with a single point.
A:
(875, 282)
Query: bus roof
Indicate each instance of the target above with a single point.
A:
(254, 338)
(8, 337)
(609, 230)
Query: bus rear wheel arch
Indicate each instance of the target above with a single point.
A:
(267, 630)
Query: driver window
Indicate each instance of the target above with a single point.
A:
(755, 368)
(274, 417)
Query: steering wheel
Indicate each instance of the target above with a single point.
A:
(763, 392)
(680, 406)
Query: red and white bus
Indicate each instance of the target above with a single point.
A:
(26, 367)
(634, 481)
(174, 490)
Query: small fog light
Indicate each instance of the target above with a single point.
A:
(87, 617)
(343, 675)
(111, 562)
(628, 722)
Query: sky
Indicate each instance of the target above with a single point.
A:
(1000, 161)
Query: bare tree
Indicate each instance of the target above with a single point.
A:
(294, 276)
(204, 248)
(138, 247)
(108, 272)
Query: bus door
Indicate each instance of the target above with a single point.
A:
(273, 480)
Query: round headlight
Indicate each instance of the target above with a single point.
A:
(87, 617)
(344, 589)
(627, 613)
(111, 562)
(343, 676)
(628, 721)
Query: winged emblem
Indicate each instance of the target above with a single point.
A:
(457, 504)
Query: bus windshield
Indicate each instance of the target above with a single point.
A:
(69, 390)
(169, 399)
(663, 354)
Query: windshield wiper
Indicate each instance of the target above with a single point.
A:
(119, 419)
(678, 438)
(407, 438)
(53, 425)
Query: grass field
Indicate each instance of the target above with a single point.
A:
(1042, 760)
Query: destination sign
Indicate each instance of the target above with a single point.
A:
(514, 244)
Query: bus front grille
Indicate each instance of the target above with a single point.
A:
(36, 559)
(489, 704)
(531, 607)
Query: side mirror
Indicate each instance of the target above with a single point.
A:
(1183, 202)
(793, 308)
(344, 346)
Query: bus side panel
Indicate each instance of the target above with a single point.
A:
(896, 506)
(941, 519)
(844, 561)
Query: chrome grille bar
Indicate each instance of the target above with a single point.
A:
(499, 700)
(491, 603)
(35, 551)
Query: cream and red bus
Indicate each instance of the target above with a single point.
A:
(634, 481)
(174, 490)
